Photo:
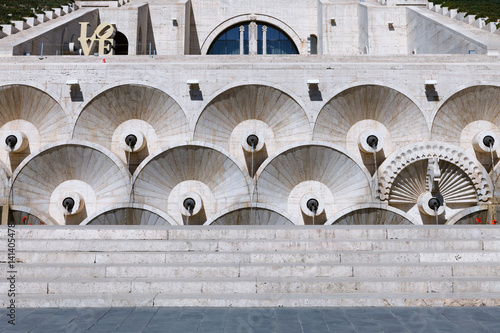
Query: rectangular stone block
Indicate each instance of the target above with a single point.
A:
(219, 286)
(455, 257)
(285, 257)
(296, 270)
(130, 257)
(90, 286)
(396, 271)
(173, 271)
(381, 257)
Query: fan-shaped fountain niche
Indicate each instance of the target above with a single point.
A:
(470, 118)
(69, 181)
(29, 119)
(252, 122)
(313, 182)
(133, 121)
(370, 121)
(191, 183)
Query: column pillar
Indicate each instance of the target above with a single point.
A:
(264, 39)
(242, 39)
(252, 36)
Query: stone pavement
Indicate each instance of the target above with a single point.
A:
(257, 320)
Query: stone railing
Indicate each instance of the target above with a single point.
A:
(29, 22)
(478, 22)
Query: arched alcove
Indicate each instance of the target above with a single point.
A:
(256, 37)
(121, 44)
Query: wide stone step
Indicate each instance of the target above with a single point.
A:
(228, 270)
(259, 285)
(253, 245)
(254, 300)
(258, 232)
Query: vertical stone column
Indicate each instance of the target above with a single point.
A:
(242, 39)
(252, 38)
(264, 39)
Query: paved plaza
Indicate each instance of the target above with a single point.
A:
(258, 320)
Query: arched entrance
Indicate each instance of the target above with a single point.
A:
(121, 44)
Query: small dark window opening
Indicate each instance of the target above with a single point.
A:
(121, 44)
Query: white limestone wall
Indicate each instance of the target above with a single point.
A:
(342, 36)
(364, 40)
(386, 28)
(171, 36)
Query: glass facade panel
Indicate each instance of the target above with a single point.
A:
(228, 42)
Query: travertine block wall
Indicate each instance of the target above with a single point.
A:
(192, 117)
(195, 138)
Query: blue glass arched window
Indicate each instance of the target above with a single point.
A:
(277, 41)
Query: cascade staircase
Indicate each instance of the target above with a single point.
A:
(246, 266)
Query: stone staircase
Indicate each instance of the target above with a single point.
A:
(62, 266)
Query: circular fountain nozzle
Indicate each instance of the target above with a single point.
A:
(372, 141)
(131, 140)
(189, 204)
(68, 204)
(11, 141)
(312, 205)
(253, 140)
(434, 203)
(488, 141)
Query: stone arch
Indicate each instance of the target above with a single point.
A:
(121, 43)
(247, 214)
(251, 17)
(228, 117)
(383, 104)
(156, 116)
(33, 216)
(468, 216)
(33, 113)
(103, 179)
(129, 214)
(372, 214)
(150, 104)
(319, 168)
(472, 104)
(209, 172)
